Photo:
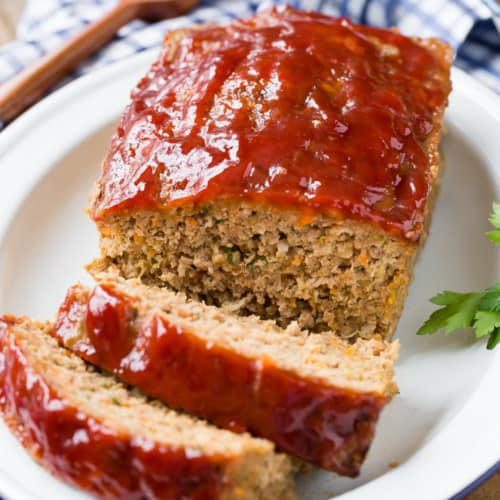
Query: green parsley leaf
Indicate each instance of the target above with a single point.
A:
(491, 299)
(494, 339)
(486, 322)
(458, 312)
(494, 236)
(480, 311)
(495, 216)
(447, 298)
(495, 222)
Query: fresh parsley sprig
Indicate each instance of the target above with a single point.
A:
(494, 219)
(479, 310)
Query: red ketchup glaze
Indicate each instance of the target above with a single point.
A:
(291, 108)
(86, 453)
(330, 427)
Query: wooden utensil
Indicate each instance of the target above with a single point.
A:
(29, 85)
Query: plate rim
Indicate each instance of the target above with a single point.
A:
(32, 119)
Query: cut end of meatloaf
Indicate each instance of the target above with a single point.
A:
(330, 274)
(317, 397)
(285, 164)
(96, 433)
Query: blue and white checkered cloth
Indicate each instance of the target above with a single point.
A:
(468, 25)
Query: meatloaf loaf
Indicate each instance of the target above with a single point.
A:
(285, 163)
(316, 396)
(95, 433)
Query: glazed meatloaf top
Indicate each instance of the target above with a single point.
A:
(288, 107)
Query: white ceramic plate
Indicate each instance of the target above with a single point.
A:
(443, 428)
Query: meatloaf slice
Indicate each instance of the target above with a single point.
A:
(316, 396)
(285, 163)
(96, 433)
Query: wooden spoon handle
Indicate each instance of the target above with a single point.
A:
(29, 85)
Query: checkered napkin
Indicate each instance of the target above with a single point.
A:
(468, 25)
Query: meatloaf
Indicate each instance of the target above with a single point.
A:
(316, 396)
(95, 433)
(285, 164)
